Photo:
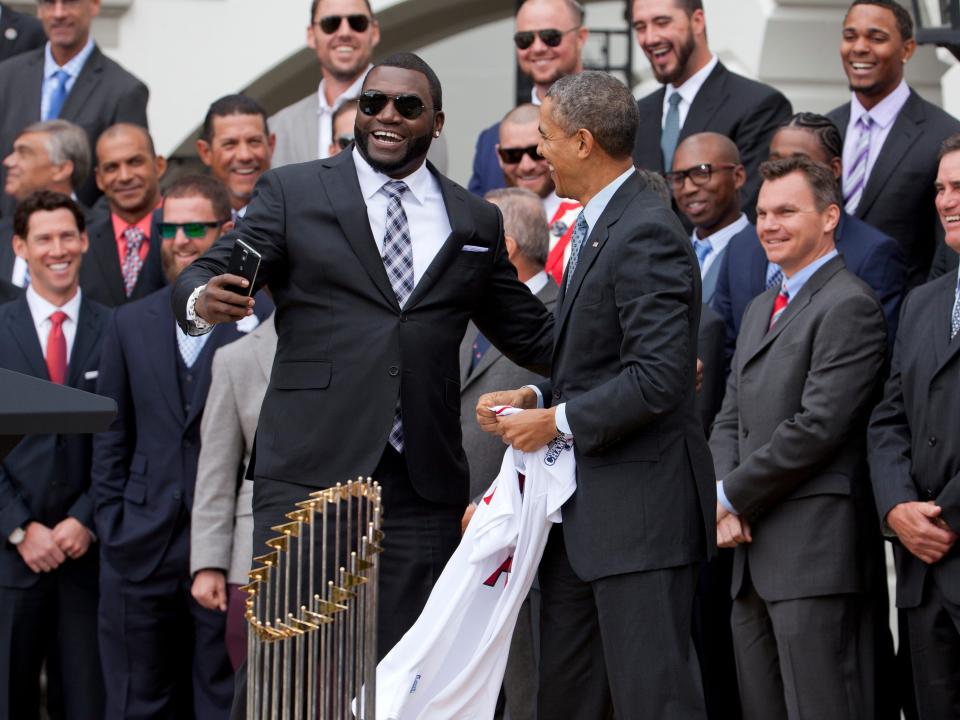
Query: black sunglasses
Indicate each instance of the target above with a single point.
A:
(698, 174)
(343, 141)
(372, 102)
(193, 230)
(551, 37)
(511, 156)
(331, 23)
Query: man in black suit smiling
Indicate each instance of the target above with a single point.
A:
(376, 262)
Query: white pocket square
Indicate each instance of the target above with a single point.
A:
(475, 248)
(91, 375)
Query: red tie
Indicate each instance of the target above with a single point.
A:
(779, 305)
(57, 349)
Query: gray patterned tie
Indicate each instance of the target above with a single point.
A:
(955, 317)
(671, 131)
(576, 242)
(398, 260)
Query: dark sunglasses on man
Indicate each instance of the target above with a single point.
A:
(343, 141)
(193, 230)
(372, 102)
(698, 174)
(551, 37)
(511, 156)
(331, 23)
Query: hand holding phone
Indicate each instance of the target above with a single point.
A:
(244, 262)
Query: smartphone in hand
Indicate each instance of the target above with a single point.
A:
(244, 261)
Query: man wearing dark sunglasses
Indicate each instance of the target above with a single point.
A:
(376, 262)
(550, 35)
(343, 121)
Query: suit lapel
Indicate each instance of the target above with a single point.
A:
(86, 82)
(7, 256)
(944, 347)
(758, 270)
(904, 133)
(25, 334)
(466, 353)
(648, 132)
(31, 88)
(103, 248)
(83, 342)
(202, 369)
(160, 346)
(347, 202)
(709, 98)
(841, 118)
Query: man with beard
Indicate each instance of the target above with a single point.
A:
(123, 262)
(376, 262)
(163, 653)
(699, 94)
(524, 167)
(550, 38)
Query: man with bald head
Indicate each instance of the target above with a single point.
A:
(123, 262)
(525, 168)
(549, 39)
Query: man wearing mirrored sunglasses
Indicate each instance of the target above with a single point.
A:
(376, 262)
(550, 35)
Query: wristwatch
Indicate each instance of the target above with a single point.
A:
(17, 536)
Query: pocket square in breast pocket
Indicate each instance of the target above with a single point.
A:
(91, 375)
(475, 248)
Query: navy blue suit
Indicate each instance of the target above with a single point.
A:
(487, 173)
(46, 479)
(153, 635)
(875, 258)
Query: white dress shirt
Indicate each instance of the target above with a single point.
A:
(423, 204)
(41, 310)
(537, 282)
(719, 240)
(550, 204)
(325, 112)
(883, 114)
(72, 68)
(688, 91)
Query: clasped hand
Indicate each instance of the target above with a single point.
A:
(527, 431)
(44, 549)
(732, 530)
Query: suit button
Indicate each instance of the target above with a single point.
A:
(746, 433)
(177, 495)
(188, 443)
(556, 394)
(393, 371)
(932, 442)
(189, 377)
(929, 494)
(403, 317)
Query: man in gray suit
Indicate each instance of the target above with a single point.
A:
(788, 445)
(485, 369)
(706, 182)
(221, 529)
(68, 78)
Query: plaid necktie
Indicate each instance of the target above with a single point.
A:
(671, 131)
(59, 96)
(57, 349)
(702, 248)
(398, 260)
(774, 276)
(779, 305)
(576, 242)
(190, 346)
(856, 174)
(132, 263)
(955, 317)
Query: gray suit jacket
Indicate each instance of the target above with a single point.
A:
(297, 129)
(221, 530)
(493, 372)
(788, 443)
(103, 94)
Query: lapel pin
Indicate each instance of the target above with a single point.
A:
(595, 243)
(10, 34)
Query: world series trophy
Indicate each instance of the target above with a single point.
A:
(312, 610)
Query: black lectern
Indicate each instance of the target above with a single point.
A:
(30, 406)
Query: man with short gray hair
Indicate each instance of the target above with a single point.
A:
(52, 155)
(618, 575)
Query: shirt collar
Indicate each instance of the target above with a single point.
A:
(371, 181)
(795, 283)
(351, 93)
(537, 282)
(41, 308)
(534, 98)
(120, 225)
(74, 65)
(688, 91)
(885, 111)
(723, 235)
(598, 203)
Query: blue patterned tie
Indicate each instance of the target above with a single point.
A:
(702, 248)
(59, 96)
(398, 260)
(774, 276)
(576, 242)
(671, 131)
(955, 317)
(190, 346)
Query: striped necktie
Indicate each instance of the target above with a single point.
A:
(856, 174)
(779, 305)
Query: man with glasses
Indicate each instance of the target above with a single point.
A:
(68, 78)
(549, 39)
(699, 93)
(343, 121)
(123, 262)
(164, 653)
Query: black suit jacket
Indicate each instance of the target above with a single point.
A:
(914, 447)
(18, 32)
(898, 198)
(711, 350)
(746, 111)
(347, 352)
(8, 291)
(100, 275)
(145, 463)
(625, 364)
(103, 94)
(46, 478)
